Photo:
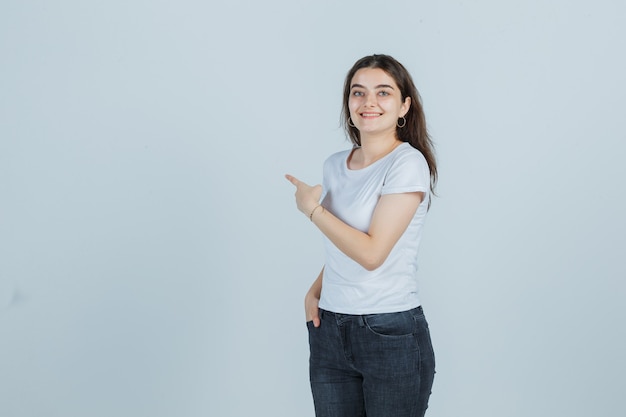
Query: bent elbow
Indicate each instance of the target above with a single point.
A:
(372, 263)
(371, 267)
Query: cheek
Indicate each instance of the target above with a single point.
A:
(391, 104)
(353, 104)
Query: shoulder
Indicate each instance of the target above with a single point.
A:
(337, 159)
(339, 155)
(407, 155)
(407, 172)
(406, 151)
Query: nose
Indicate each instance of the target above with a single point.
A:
(370, 100)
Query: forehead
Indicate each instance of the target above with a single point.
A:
(371, 77)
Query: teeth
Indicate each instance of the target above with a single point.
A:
(370, 114)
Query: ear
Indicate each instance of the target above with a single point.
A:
(404, 109)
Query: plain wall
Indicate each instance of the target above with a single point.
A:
(152, 260)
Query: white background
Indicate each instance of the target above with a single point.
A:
(152, 260)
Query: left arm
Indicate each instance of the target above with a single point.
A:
(391, 217)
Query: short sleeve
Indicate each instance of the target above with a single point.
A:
(408, 173)
(331, 171)
(324, 182)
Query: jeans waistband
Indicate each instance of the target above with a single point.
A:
(346, 317)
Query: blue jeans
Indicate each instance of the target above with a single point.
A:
(374, 365)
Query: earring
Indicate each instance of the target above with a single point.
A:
(350, 122)
(403, 122)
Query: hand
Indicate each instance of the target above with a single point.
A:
(311, 309)
(307, 197)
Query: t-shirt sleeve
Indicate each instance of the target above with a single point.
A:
(408, 173)
(326, 175)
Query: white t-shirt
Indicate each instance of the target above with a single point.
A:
(352, 195)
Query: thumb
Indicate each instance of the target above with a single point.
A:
(317, 191)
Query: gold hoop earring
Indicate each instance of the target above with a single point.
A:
(403, 124)
(350, 122)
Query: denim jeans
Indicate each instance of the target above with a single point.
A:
(375, 365)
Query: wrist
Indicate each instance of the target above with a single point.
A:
(316, 211)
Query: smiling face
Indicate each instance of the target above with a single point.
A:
(375, 102)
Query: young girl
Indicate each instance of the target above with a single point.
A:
(371, 353)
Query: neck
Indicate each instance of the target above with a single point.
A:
(374, 148)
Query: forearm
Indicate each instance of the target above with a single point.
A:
(357, 245)
(390, 219)
(312, 299)
(316, 287)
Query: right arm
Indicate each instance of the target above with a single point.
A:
(312, 300)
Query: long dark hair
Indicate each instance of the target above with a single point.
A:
(415, 131)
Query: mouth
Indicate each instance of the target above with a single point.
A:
(369, 115)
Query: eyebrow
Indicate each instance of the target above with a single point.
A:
(378, 86)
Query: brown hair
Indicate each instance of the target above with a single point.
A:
(415, 131)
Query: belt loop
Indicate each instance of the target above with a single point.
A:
(361, 321)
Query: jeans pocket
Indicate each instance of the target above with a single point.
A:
(390, 324)
(422, 334)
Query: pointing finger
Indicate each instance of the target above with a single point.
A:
(292, 179)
